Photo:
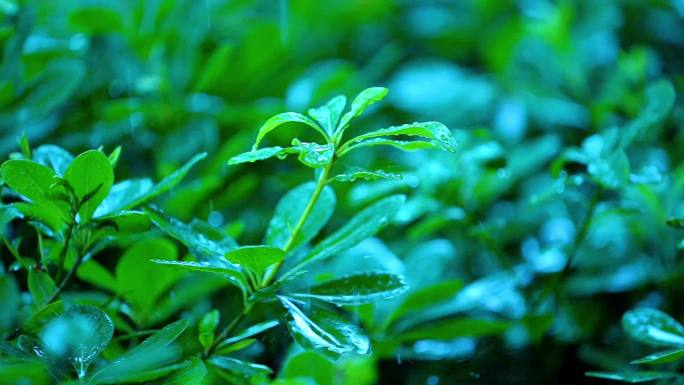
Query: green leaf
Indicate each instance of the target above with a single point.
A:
(412, 145)
(430, 130)
(249, 332)
(140, 281)
(95, 20)
(156, 351)
(314, 155)
(653, 327)
(261, 154)
(41, 287)
(425, 297)
(80, 334)
(230, 272)
(286, 117)
(54, 157)
(353, 175)
(242, 368)
(234, 347)
(661, 357)
(632, 377)
(358, 289)
(328, 115)
(325, 331)
(90, 173)
(207, 327)
(200, 245)
(362, 226)
(164, 185)
(362, 101)
(192, 373)
(291, 207)
(126, 222)
(97, 275)
(255, 258)
(33, 181)
(45, 212)
(456, 328)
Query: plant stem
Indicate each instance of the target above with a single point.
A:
(271, 274)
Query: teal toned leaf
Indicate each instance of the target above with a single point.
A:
(653, 327)
(249, 332)
(41, 287)
(91, 175)
(426, 297)
(362, 101)
(54, 157)
(80, 334)
(261, 154)
(633, 377)
(328, 115)
(358, 289)
(286, 117)
(207, 327)
(290, 209)
(122, 194)
(165, 184)
(661, 357)
(660, 98)
(456, 328)
(324, 330)
(362, 226)
(154, 352)
(430, 130)
(255, 258)
(353, 175)
(236, 346)
(200, 245)
(242, 368)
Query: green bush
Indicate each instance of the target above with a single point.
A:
(526, 229)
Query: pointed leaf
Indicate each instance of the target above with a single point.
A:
(653, 327)
(358, 289)
(90, 173)
(239, 367)
(249, 332)
(632, 377)
(261, 154)
(156, 351)
(290, 209)
(191, 373)
(324, 330)
(165, 184)
(207, 327)
(362, 101)
(661, 357)
(122, 194)
(412, 145)
(286, 117)
(328, 115)
(200, 245)
(231, 272)
(362, 226)
(430, 130)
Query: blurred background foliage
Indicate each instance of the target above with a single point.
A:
(552, 214)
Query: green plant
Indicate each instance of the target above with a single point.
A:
(79, 214)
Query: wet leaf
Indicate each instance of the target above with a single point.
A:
(255, 258)
(653, 327)
(633, 377)
(358, 289)
(280, 119)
